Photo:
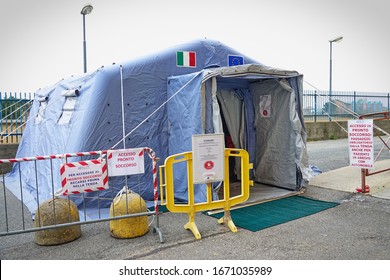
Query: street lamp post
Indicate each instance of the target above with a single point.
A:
(87, 9)
(335, 40)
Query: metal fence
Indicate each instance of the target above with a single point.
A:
(16, 219)
(342, 105)
(14, 111)
(318, 105)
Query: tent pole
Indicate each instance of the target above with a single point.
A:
(123, 117)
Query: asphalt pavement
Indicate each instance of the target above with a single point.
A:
(357, 229)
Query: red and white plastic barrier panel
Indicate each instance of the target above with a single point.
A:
(102, 163)
(84, 176)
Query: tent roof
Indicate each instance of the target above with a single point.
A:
(249, 70)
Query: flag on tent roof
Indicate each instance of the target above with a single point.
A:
(186, 59)
(235, 60)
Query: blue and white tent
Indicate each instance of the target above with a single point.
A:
(190, 89)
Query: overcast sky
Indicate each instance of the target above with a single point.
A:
(41, 40)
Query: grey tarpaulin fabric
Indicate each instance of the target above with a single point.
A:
(275, 160)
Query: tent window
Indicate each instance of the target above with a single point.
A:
(41, 111)
(69, 105)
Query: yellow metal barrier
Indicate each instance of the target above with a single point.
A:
(167, 189)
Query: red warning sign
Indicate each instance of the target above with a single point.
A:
(208, 165)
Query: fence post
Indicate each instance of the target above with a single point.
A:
(388, 107)
(19, 128)
(330, 106)
(315, 106)
(1, 111)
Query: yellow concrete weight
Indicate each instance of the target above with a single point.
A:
(52, 212)
(128, 227)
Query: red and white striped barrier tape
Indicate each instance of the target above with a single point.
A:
(58, 156)
(153, 157)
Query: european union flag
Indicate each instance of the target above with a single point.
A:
(235, 60)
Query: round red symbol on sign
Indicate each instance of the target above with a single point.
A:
(265, 112)
(208, 165)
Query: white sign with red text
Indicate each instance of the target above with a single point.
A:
(126, 162)
(84, 176)
(208, 158)
(361, 143)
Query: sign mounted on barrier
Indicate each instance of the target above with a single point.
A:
(84, 176)
(361, 143)
(208, 158)
(126, 162)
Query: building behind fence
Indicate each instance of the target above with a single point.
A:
(317, 106)
(342, 105)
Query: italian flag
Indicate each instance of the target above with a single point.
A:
(186, 59)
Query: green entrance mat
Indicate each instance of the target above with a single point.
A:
(276, 212)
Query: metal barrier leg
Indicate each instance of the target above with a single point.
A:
(192, 226)
(363, 176)
(157, 229)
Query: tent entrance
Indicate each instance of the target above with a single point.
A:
(239, 116)
(256, 107)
